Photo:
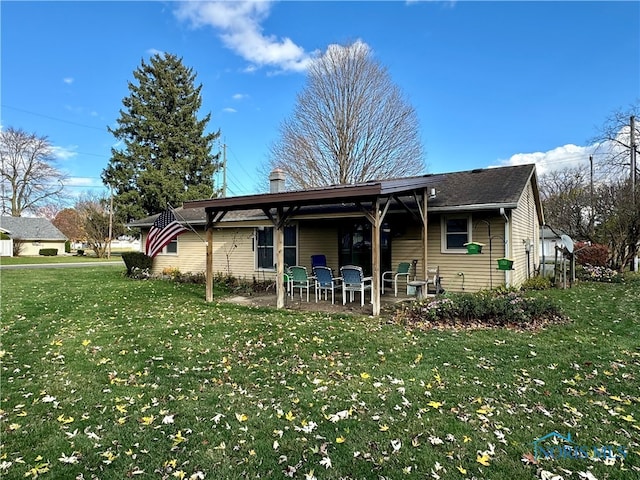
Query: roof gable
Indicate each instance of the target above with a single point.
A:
(31, 228)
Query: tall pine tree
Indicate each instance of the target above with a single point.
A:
(166, 156)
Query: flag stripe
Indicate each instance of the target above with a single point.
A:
(164, 229)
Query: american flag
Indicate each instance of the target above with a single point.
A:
(164, 229)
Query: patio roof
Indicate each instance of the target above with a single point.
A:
(472, 190)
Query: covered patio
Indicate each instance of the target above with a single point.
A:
(371, 201)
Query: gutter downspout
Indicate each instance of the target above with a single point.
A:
(507, 245)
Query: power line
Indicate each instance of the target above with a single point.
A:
(53, 118)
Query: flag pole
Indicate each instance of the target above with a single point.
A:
(189, 226)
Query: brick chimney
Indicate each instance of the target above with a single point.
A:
(276, 181)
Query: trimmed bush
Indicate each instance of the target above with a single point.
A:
(67, 247)
(485, 308)
(138, 261)
(595, 254)
(536, 283)
(48, 252)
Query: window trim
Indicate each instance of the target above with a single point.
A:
(272, 246)
(165, 251)
(444, 232)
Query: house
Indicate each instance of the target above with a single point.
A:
(376, 225)
(33, 235)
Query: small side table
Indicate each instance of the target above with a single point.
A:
(420, 286)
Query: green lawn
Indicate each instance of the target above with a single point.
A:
(110, 378)
(57, 259)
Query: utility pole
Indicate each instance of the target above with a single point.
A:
(632, 146)
(224, 169)
(110, 221)
(591, 214)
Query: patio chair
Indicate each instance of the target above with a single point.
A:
(288, 280)
(392, 277)
(434, 283)
(325, 282)
(299, 279)
(318, 261)
(353, 280)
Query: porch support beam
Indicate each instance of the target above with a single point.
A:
(406, 207)
(213, 217)
(423, 215)
(279, 244)
(279, 221)
(376, 217)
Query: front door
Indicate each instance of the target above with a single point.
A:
(354, 240)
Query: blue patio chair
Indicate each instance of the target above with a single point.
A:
(392, 277)
(318, 261)
(325, 282)
(353, 280)
(299, 279)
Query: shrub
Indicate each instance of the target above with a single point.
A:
(48, 252)
(137, 260)
(485, 308)
(594, 254)
(67, 247)
(80, 252)
(171, 272)
(600, 274)
(536, 283)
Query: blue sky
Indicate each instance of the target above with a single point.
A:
(493, 83)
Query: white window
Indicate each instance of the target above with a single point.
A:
(456, 231)
(265, 251)
(170, 248)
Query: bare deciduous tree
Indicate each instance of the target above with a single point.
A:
(350, 124)
(94, 211)
(614, 141)
(29, 175)
(567, 201)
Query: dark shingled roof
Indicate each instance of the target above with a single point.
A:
(489, 188)
(29, 228)
(499, 186)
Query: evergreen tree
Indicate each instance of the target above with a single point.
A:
(166, 156)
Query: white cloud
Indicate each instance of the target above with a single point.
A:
(558, 158)
(68, 80)
(239, 27)
(229, 110)
(83, 182)
(63, 153)
(240, 96)
(574, 156)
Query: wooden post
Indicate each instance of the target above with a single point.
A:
(279, 244)
(424, 233)
(209, 267)
(375, 261)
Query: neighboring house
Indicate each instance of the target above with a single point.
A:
(33, 233)
(499, 207)
(549, 239)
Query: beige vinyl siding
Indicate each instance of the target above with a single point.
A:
(525, 226)
(191, 256)
(318, 238)
(32, 248)
(477, 275)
